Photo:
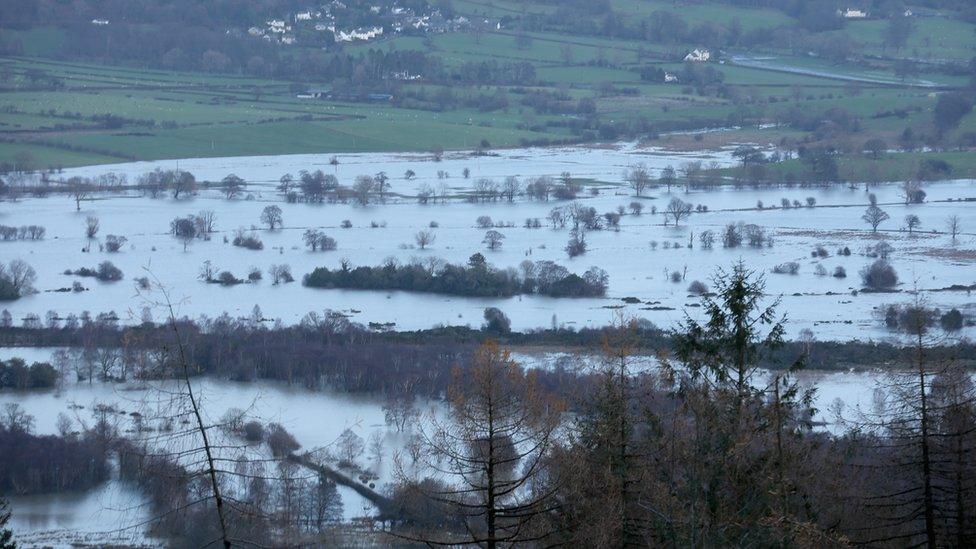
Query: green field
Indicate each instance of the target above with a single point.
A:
(168, 114)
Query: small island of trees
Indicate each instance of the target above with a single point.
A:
(476, 279)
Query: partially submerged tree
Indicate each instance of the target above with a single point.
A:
(232, 186)
(493, 239)
(953, 225)
(424, 238)
(677, 210)
(875, 216)
(272, 217)
(91, 227)
(185, 229)
(16, 280)
(638, 177)
(912, 222)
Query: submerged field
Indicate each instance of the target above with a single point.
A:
(641, 257)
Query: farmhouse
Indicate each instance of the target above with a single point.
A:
(307, 15)
(670, 78)
(698, 55)
(278, 26)
(854, 13)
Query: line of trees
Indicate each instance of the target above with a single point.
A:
(31, 464)
(477, 278)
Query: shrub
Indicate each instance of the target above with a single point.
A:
(577, 244)
(254, 275)
(114, 243)
(676, 276)
(697, 287)
(819, 251)
(496, 321)
(346, 224)
(731, 236)
(840, 272)
(790, 267)
(227, 278)
(879, 275)
(253, 431)
(251, 242)
(108, 272)
(951, 321)
(327, 243)
(280, 441)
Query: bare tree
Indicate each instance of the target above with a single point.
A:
(363, 188)
(953, 225)
(425, 193)
(80, 190)
(16, 280)
(232, 185)
(668, 177)
(511, 187)
(399, 409)
(206, 222)
(424, 238)
(875, 216)
(638, 177)
(491, 450)
(271, 216)
(91, 226)
(691, 171)
(677, 210)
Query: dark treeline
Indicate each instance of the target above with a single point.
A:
(476, 279)
(31, 464)
(326, 350)
(16, 374)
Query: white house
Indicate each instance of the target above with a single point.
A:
(254, 31)
(99, 22)
(854, 13)
(287, 39)
(278, 26)
(669, 78)
(698, 55)
(358, 34)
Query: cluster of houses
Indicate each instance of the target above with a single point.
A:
(857, 13)
(387, 20)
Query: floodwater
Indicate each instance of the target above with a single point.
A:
(639, 258)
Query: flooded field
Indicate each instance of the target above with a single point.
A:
(640, 257)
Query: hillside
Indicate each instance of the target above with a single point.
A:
(99, 82)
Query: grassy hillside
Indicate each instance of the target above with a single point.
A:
(53, 112)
